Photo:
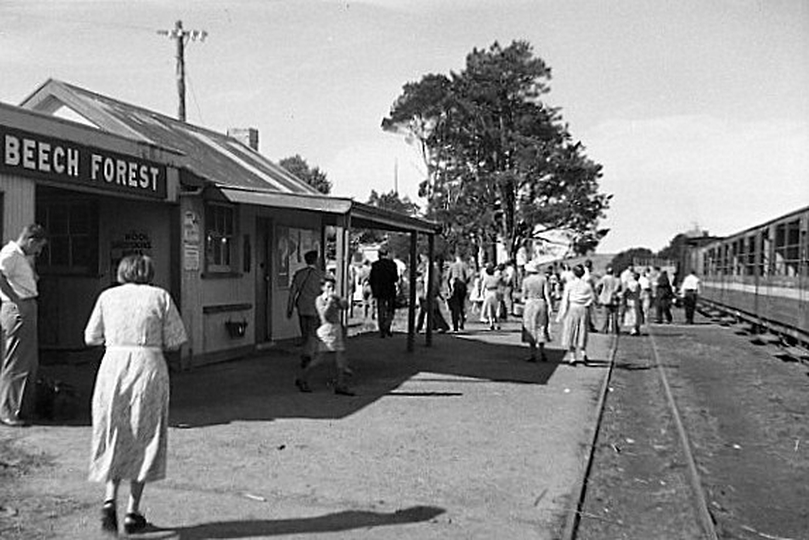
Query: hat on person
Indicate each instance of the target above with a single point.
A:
(532, 267)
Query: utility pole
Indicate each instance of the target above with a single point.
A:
(181, 36)
(396, 175)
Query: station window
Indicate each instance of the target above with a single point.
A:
(220, 237)
(72, 227)
(787, 248)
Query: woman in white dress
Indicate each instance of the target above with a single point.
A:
(632, 299)
(491, 297)
(577, 298)
(135, 322)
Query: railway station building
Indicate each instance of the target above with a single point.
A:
(226, 227)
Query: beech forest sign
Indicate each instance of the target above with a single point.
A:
(46, 158)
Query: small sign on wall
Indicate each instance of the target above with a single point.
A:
(132, 242)
(283, 256)
(190, 257)
(191, 239)
(191, 227)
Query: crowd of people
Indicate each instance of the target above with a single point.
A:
(137, 321)
(521, 289)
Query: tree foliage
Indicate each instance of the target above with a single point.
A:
(675, 250)
(500, 162)
(316, 178)
(397, 242)
(626, 258)
(392, 201)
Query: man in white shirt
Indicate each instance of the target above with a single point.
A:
(608, 291)
(645, 295)
(18, 317)
(627, 274)
(690, 292)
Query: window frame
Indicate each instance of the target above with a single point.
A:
(221, 224)
(787, 248)
(70, 237)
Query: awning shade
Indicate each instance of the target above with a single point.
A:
(313, 203)
(363, 216)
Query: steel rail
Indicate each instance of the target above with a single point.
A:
(704, 514)
(580, 488)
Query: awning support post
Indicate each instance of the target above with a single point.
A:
(411, 309)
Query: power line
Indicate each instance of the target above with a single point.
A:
(194, 98)
(182, 36)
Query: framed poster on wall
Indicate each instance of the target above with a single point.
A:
(301, 241)
(283, 252)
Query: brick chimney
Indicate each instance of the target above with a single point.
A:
(247, 136)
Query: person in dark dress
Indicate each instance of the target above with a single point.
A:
(663, 296)
(383, 279)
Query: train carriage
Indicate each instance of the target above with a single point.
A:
(760, 274)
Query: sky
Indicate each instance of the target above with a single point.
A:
(698, 110)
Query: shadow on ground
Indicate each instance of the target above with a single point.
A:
(260, 388)
(339, 521)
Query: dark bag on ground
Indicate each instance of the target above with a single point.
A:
(55, 400)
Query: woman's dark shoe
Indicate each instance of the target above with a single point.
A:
(109, 518)
(134, 523)
(302, 385)
(343, 391)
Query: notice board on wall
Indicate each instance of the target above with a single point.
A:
(293, 243)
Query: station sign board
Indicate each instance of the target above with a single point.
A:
(47, 158)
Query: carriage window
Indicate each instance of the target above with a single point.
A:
(738, 257)
(764, 262)
(706, 262)
(750, 263)
(787, 249)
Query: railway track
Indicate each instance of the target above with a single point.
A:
(596, 514)
(701, 433)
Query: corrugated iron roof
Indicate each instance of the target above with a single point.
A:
(213, 156)
(242, 174)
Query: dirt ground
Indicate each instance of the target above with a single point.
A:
(638, 486)
(461, 440)
(743, 404)
(464, 440)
